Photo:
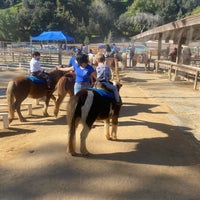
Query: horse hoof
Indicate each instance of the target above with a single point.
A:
(73, 153)
(86, 153)
(46, 115)
(55, 115)
(108, 137)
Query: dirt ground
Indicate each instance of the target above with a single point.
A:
(156, 156)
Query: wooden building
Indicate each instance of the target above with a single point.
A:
(181, 32)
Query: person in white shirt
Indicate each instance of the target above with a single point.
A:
(37, 71)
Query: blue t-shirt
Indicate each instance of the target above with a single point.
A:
(72, 61)
(83, 74)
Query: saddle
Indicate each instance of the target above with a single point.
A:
(102, 90)
(36, 79)
(103, 93)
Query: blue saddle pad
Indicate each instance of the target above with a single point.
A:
(103, 93)
(35, 79)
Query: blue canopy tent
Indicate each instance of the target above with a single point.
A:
(52, 35)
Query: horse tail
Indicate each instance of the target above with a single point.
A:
(72, 105)
(10, 100)
(71, 120)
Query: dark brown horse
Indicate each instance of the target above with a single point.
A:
(65, 85)
(21, 87)
(87, 106)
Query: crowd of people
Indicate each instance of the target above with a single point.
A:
(86, 74)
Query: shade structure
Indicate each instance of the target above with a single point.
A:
(52, 35)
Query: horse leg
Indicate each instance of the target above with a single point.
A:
(53, 98)
(134, 62)
(106, 128)
(17, 106)
(115, 124)
(83, 136)
(114, 132)
(58, 102)
(145, 66)
(45, 113)
(148, 64)
(116, 70)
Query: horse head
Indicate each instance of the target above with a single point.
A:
(117, 84)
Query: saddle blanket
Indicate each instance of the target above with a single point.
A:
(35, 79)
(103, 93)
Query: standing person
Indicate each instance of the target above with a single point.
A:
(114, 49)
(173, 55)
(72, 60)
(85, 73)
(132, 53)
(104, 76)
(37, 71)
(108, 51)
(84, 48)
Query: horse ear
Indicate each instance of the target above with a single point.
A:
(118, 84)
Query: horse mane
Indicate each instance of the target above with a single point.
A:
(56, 73)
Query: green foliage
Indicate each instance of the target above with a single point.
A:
(89, 19)
(8, 26)
(196, 10)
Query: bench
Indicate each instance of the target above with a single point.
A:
(29, 105)
(5, 120)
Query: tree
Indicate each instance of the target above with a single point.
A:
(146, 21)
(103, 15)
(8, 26)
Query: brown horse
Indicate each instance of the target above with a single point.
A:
(21, 87)
(112, 62)
(142, 58)
(65, 85)
(87, 106)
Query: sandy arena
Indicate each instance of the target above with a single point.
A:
(156, 157)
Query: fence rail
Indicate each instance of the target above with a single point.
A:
(179, 70)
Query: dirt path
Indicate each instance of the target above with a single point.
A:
(156, 155)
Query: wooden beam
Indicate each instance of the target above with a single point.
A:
(191, 21)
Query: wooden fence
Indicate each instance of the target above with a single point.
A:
(19, 55)
(181, 70)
